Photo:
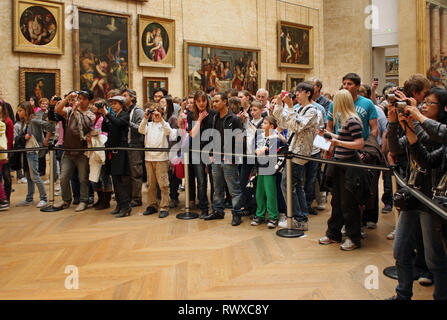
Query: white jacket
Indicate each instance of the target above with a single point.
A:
(156, 135)
(96, 158)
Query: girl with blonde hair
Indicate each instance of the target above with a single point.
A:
(349, 139)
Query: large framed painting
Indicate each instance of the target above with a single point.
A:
(293, 80)
(295, 45)
(275, 87)
(102, 52)
(150, 84)
(221, 67)
(40, 83)
(391, 66)
(38, 26)
(156, 47)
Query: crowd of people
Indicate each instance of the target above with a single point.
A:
(235, 143)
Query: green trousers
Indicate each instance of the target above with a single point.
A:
(266, 197)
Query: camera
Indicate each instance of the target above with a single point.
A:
(100, 105)
(404, 200)
(400, 106)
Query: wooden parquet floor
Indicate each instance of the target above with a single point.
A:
(144, 257)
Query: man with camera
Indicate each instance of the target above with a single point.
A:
(80, 122)
(135, 140)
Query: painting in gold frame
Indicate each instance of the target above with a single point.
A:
(40, 83)
(274, 87)
(156, 42)
(222, 67)
(295, 46)
(38, 26)
(102, 51)
(150, 84)
(294, 79)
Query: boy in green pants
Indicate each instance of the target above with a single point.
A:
(266, 184)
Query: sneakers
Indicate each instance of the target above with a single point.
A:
(363, 233)
(282, 221)
(81, 207)
(321, 206)
(348, 245)
(326, 240)
(300, 225)
(42, 204)
(387, 209)
(4, 205)
(272, 224)
(25, 203)
(371, 225)
(257, 221)
(425, 281)
(22, 181)
(62, 205)
(391, 235)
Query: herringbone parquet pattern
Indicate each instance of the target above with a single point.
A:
(144, 257)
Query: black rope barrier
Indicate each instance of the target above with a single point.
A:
(416, 193)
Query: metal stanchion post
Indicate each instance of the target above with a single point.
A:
(289, 232)
(187, 215)
(391, 272)
(50, 207)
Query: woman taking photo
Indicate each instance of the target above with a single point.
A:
(345, 209)
(31, 136)
(117, 127)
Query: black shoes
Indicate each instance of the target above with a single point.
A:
(76, 201)
(124, 213)
(237, 220)
(203, 214)
(116, 211)
(163, 214)
(214, 216)
(149, 211)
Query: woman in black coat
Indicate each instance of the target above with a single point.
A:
(117, 126)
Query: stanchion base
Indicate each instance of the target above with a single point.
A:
(289, 233)
(187, 216)
(50, 209)
(390, 272)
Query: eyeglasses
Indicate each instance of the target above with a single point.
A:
(430, 103)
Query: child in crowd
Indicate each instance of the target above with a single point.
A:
(266, 194)
(157, 132)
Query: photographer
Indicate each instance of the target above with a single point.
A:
(431, 161)
(79, 122)
(410, 213)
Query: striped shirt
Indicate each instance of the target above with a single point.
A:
(352, 130)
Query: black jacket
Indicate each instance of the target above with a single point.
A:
(117, 128)
(231, 122)
(437, 131)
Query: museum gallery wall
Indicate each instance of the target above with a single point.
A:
(108, 44)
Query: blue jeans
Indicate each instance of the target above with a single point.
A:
(32, 175)
(228, 173)
(312, 168)
(299, 206)
(411, 225)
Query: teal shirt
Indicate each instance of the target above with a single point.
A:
(365, 109)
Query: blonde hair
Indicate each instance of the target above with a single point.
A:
(344, 108)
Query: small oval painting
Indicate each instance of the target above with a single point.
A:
(155, 42)
(38, 25)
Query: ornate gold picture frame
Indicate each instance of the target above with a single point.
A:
(41, 83)
(295, 45)
(156, 42)
(38, 26)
